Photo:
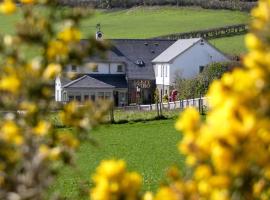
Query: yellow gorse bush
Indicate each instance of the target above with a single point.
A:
(113, 182)
(229, 151)
(32, 147)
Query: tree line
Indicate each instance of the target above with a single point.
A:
(242, 5)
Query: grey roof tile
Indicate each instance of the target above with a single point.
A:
(129, 51)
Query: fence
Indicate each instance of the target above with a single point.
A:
(200, 103)
(209, 33)
(155, 111)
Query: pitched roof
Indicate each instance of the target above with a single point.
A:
(87, 82)
(64, 80)
(116, 80)
(132, 52)
(176, 49)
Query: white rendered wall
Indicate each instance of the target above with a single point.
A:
(103, 68)
(58, 89)
(187, 65)
(162, 73)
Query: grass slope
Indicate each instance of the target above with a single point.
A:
(147, 22)
(231, 45)
(149, 148)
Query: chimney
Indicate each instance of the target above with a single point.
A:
(99, 34)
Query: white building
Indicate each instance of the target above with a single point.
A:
(185, 58)
(134, 68)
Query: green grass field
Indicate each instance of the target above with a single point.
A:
(154, 21)
(231, 45)
(147, 22)
(149, 148)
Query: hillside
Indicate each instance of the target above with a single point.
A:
(147, 22)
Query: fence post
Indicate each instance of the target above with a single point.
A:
(112, 115)
(200, 106)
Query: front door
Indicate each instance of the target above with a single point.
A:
(116, 98)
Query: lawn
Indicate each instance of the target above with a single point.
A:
(154, 21)
(231, 45)
(149, 148)
(147, 22)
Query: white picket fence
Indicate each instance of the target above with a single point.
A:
(200, 103)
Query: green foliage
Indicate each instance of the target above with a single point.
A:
(198, 86)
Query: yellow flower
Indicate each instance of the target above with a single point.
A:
(204, 187)
(70, 34)
(7, 7)
(68, 140)
(189, 120)
(112, 168)
(57, 50)
(202, 172)
(252, 41)
(222, 158)
(51, 71)
(148, 196)
(54, 153)
(28, 1)
(50, 153)
(10, 84)
(220, 181)
(113, 182)
(220, 195)
(10, 132)
(165, 193)
(28, 107)
(42, 128)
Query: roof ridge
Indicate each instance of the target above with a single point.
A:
(196, 40)
(75, 81)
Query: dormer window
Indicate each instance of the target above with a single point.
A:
(140, 63)
(119, 68)
(73, 68)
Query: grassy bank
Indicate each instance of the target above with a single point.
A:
(154, 21)
(149, 148)
(147, 22)
(231, 45)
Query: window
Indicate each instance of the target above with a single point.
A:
(156, 70)
(64, 96)
(93, 96)
(201, 68)
(73, 68)
(101, 95)
(95, 68)
(86, 97)
(78, 98)
(165, 68)
(119, 68)
(107, 95)
(70, 98)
